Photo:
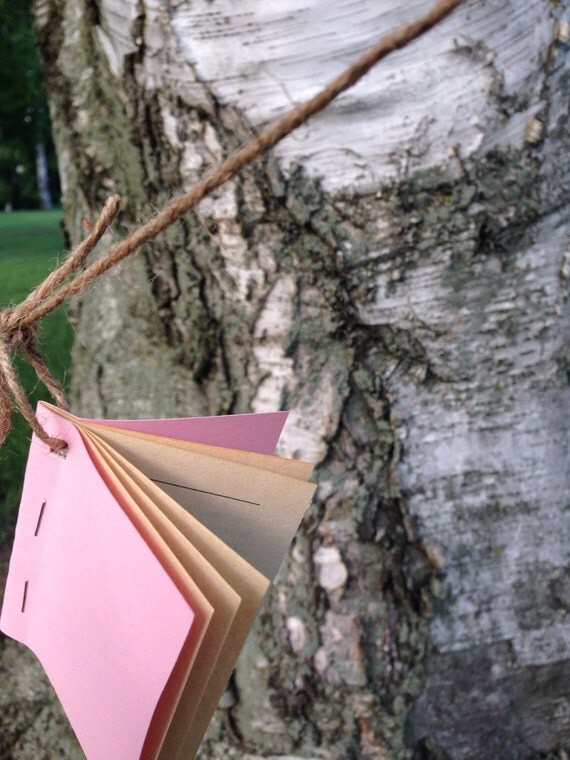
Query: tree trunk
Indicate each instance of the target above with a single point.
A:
(44, 193)
(395, 274)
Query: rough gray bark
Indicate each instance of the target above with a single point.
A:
(403, 289)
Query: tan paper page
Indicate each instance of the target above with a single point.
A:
(218, 592)
(292, 468)
(255, 512)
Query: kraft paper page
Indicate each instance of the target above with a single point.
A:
(292, 468)
(254, 512)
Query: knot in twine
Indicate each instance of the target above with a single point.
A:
(18, 324)
(15, 337)
(22, 339)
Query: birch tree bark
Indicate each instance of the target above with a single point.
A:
(396, 274)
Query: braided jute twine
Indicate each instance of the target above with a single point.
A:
(18, 324)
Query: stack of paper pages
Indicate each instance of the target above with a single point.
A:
(139, 563)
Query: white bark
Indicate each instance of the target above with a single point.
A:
(406, 114)
(440, 96)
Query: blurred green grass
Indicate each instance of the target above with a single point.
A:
(31, 246)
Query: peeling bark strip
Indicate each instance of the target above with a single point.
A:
(410, 307)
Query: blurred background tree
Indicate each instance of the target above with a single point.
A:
(30, 241)
(28, 169)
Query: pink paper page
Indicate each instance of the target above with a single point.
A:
(88, 596)
(250, 432)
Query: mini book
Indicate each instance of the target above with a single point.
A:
(140, 560)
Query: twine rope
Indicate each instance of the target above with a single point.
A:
(18, 324)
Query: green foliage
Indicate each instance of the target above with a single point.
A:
(24, 115)
(31, 243)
